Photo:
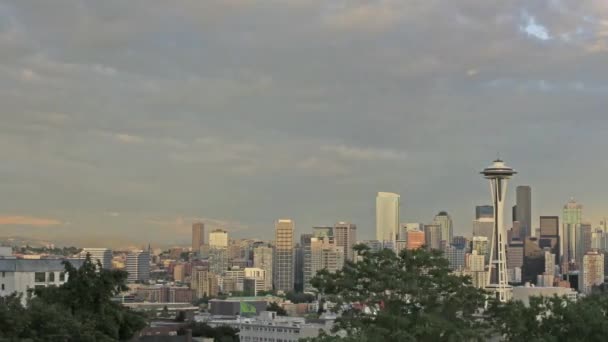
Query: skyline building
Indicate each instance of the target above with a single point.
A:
(218, 239)
(306, 260)
(284, 255)
(138, 266)
(324, 254)
(345, 237)
(523, 210)
(498, 174)
(592, 272)
(387, 216)
(484, 211)
(262, 259)
(584, 236)
(432, 236)
(572, 216)
(415, 239)
(549, 235)
(484, 227)
(103, 255)
(444, 220)
(198, 236)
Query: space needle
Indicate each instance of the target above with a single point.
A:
(498, 174)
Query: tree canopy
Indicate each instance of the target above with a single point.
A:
(80, 310)
(407, 297)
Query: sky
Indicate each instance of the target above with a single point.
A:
(122, 122)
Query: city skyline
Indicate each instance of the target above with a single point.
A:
(129, 120)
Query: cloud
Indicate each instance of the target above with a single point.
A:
(28, 221)
(128, 138)
(533, 29)
(365, 154)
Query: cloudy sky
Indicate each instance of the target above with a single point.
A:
(121, 122)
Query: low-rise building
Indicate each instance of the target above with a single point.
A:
(523, 293)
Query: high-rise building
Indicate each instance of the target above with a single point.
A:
(218, 260)
(460, 242)
(406, 227)
(484, 227)
(262, 259)
(476, 265)
(484, 211)
(298, 276)
(306, 260)
(432, 236)
(515, 254)
(444, 220)
(498, 174)
(415, 239)
(572, 219)
(387, 216)
(103, 255)
(138, 266)
(455, 256)
(257, 276)
(324, 255)
(284, 255)
(179, 272)
(481, 244)
(198, 236)
(345, 235)
(549, 235)
(583, 242)
(534, 260)
(523, 212)
(218, 239)
(592, 271)
(204, 283)
(323, 231)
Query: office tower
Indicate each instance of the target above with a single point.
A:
(523, 213)
(138, 266)
(306, 260)
(405, 227)
(284, 258)
(484, 227)
(456, 257)
(549, 235)
(549, 263)
(415, 239)
(218, 260)
(324, 255)
(387, 216)
(345, 235)
(484, 211)
(432, 236)
(481, 244)
(515, 254)
(592, 271)
(583, 242)
(218, 239)
(254, 281)
(103, 255)
(323, 231)
(179, 272)
(198, 236)
(460, 242)
(476, 265)
(514, 213)
(262, 258)
(534, 260)
(444, 220)
(516, 233)
(572, 219)
(204, 283)
(298, 277)
(498, 174)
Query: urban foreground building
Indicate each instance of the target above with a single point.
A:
(198, 236)
(387, 216)
(284, 255)
(498, 174)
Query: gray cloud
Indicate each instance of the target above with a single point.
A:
(254, 110)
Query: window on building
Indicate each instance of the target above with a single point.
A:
(3, 274)
(62, 276)
(40, 277)
(52, 277)
(2, 287)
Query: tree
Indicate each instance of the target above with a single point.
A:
(220, 334)
(80, 310)
(300, 297)
(406, 297)
(276, 308)
(553, 319)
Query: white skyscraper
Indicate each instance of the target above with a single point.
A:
(498, 174)
(138, 266)
(387, 216)
(444, 220)
(103, 255)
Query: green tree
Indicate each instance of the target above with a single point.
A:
(80, 310)
(553, 319)
(407, 297)
(276, 308)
